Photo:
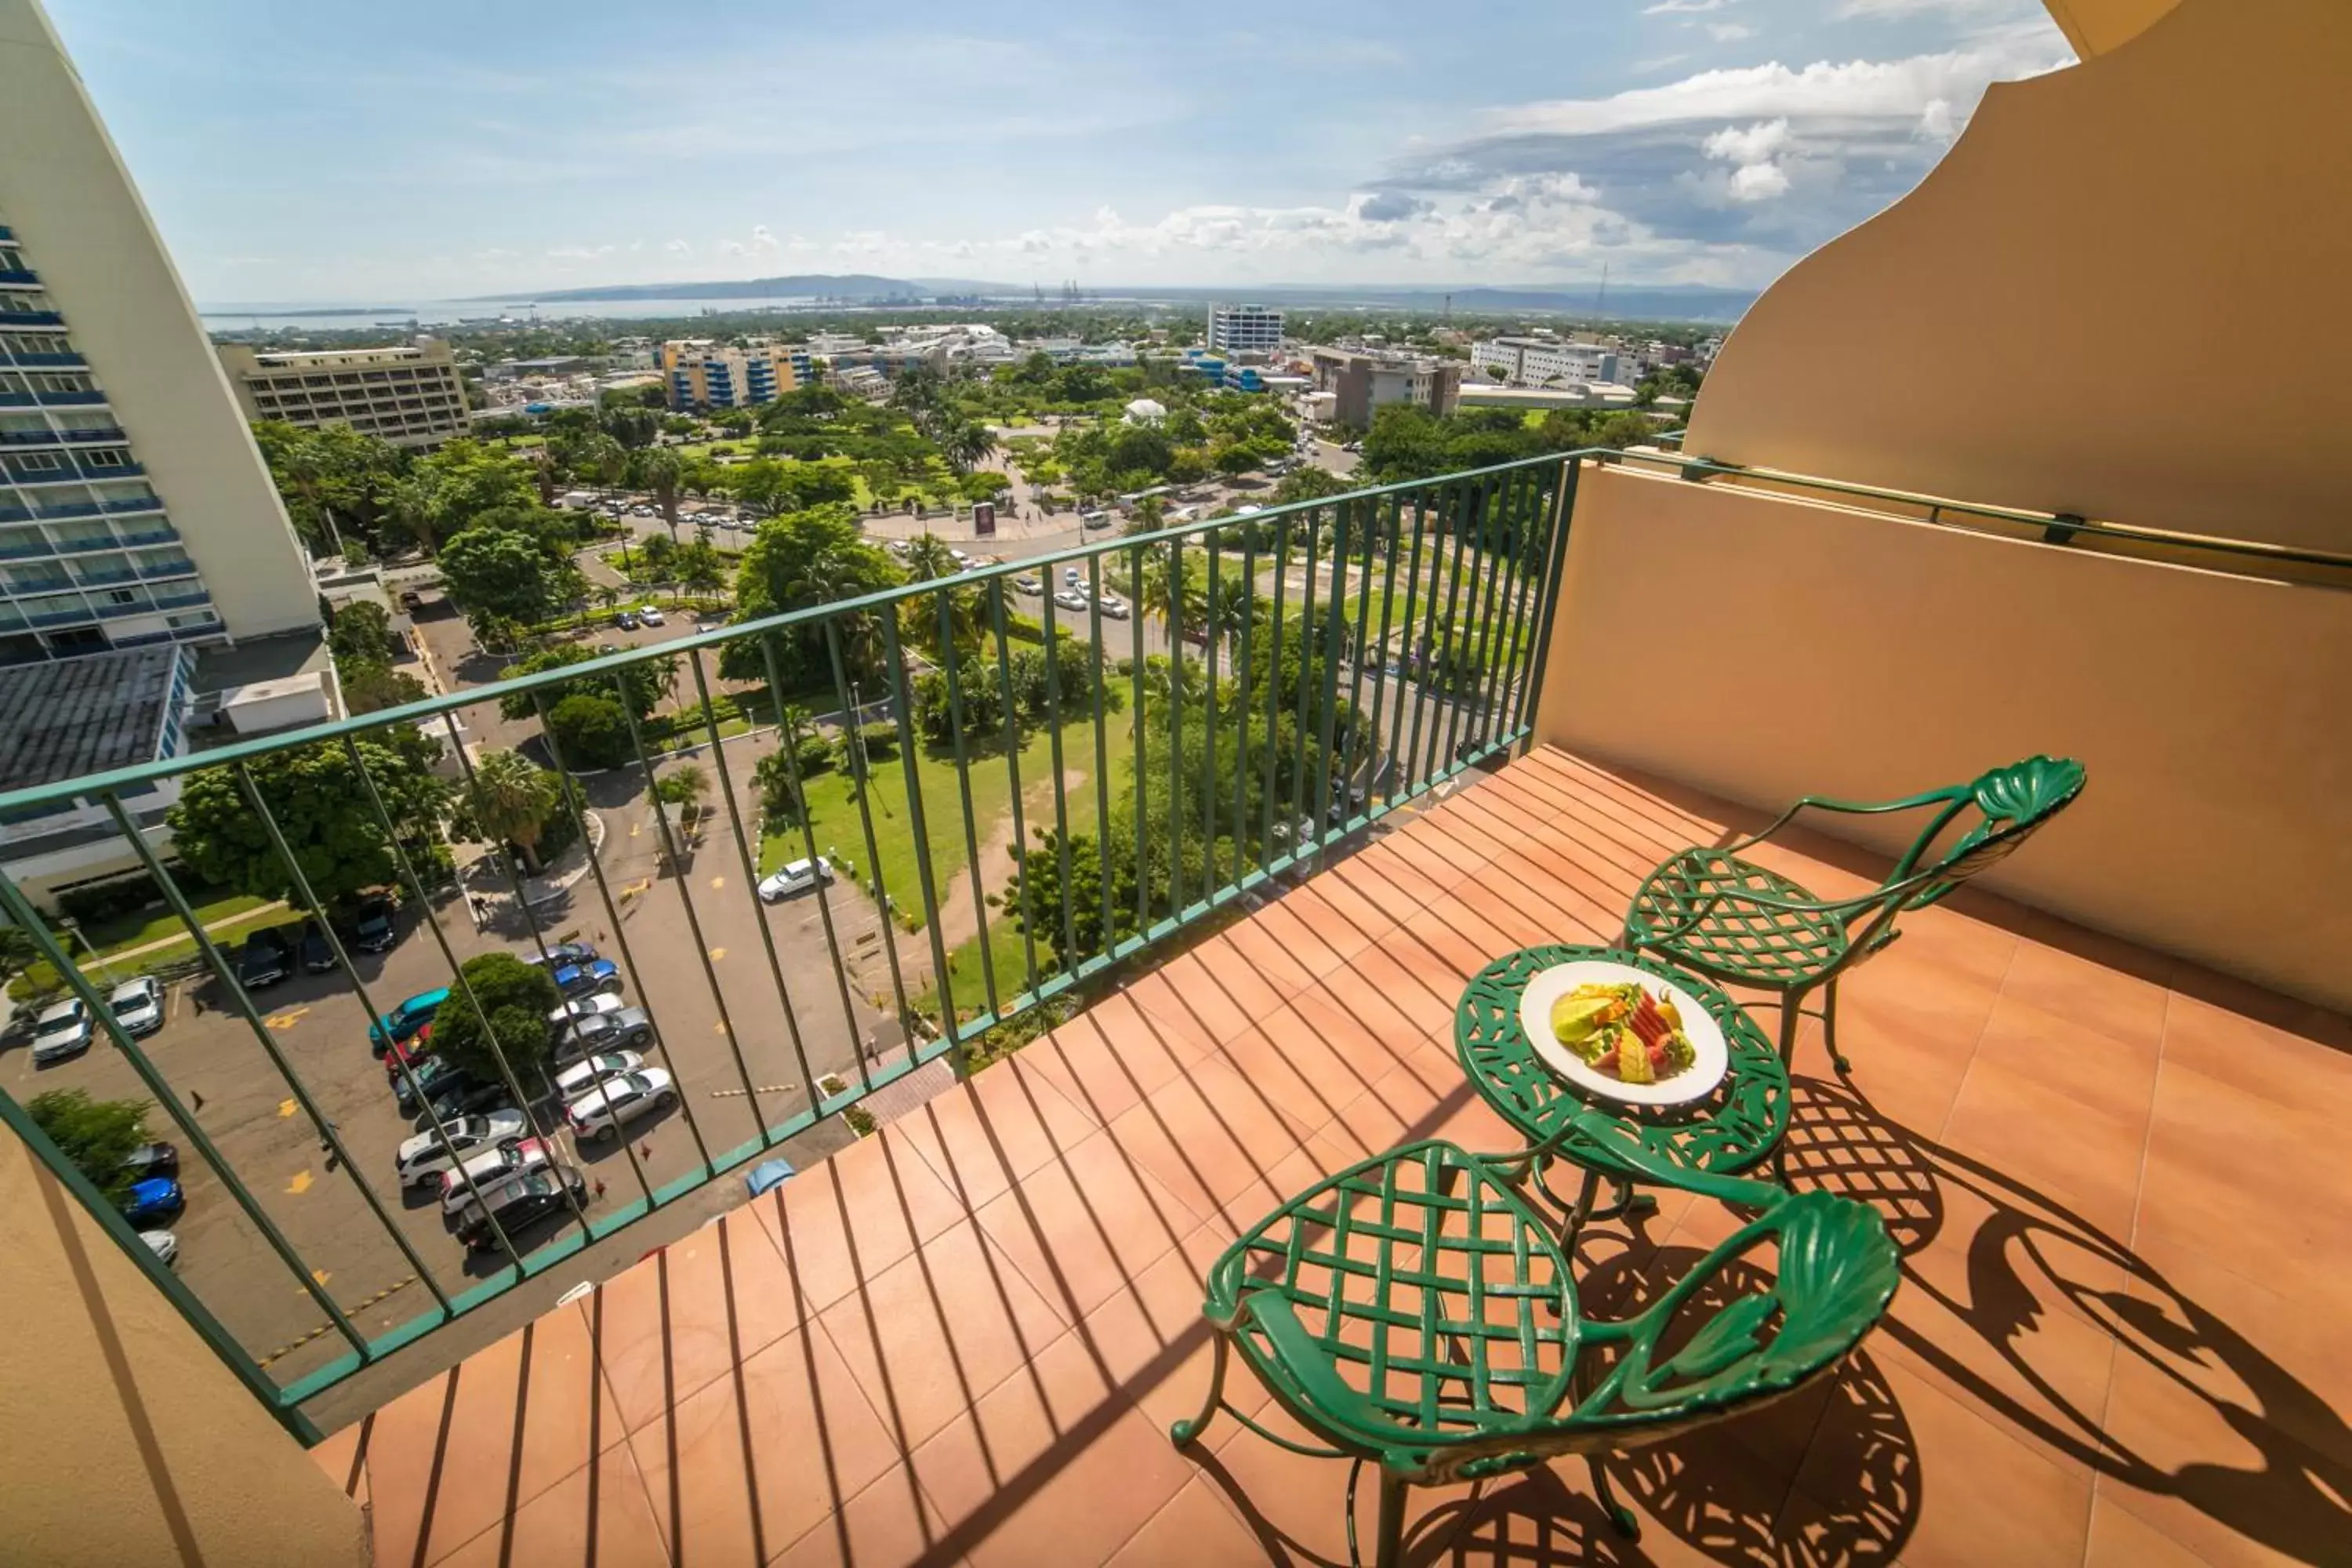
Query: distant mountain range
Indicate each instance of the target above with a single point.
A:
(1667, 301)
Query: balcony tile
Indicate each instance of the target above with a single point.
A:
(1083, 1225)
(931, 1335)
(848, 1219)
(680, 1319)
(603, 1519)
(757, 1459)
(1208, 1138)
(889, 1522)
(1196, 1531)
(1112, 1055)
(985, 1134)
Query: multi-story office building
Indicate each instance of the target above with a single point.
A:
(1361, 382)
(409, 394)
(1542, 362)
(698, 373)
(134, 507)
(1245, 329)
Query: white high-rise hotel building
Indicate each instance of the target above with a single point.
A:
(1242, 329)
(134, 507)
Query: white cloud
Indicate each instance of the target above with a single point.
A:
(1936, 121)
(761, 241)
(1729, 32)
(1849, 9)
(677, 248)
(1665, 7)
(1758, 182)
(1756, 144)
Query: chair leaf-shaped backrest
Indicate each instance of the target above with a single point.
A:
(2011, 804)
(1838, 1269)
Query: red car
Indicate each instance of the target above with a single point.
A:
(412, 1051)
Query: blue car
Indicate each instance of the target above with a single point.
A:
(407, 1018)
(586, 979)
(155, 1201)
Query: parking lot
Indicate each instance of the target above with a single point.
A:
(735, 1077)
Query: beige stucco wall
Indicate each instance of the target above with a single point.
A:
(2116, 296)
(1818, 649)
(2095, 26)
(125, 1440)
(66, 193)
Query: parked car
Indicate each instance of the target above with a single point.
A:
(373, 928)
(164, 1244)
(408, 1017)
(625, 620)
(521, 1203)
(463, 1095)
(562, 954)
(648, 615)
(411, 600)
(156, 1201)
(1070, 577)
(1113, 605)
(138, 1006)
(491, 1169)
(62, 1030)
(585, 979)
(428, 1078)
(411, 1053)
(267, 958)
(583, 1006)
(603, 1112)
(318, 953)
(423, 1158)
(626, 1028)
(1026, 583)
(589, 1071)
(1071, 599)
(151, 1159)
(793, 877)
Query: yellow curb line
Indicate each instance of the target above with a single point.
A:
(351, 1311)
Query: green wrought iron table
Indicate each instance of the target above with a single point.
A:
(1736, 1127)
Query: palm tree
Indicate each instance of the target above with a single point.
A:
(928, 558)
(513, 798)
(659, 469)
(607, 597)
(1167, 587)
(702, 572)
(965, 446)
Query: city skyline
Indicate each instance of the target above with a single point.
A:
(291, 157)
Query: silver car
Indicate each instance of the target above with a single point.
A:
(138, 1007)
(601, 1113)
(423, 1159)
(61, 1031)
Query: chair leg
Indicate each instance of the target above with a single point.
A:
(1585, 1192)
(1829, 1031)
(1185, 1433)
(1391, 1546)
(1620, 1516)
(1792, 1013)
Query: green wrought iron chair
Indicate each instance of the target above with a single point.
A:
(1415, 1313)
(1736, 922)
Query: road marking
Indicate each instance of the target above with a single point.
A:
(285, 1107)
(636, 829)
(761, 1089)
(320, 1276)
(290, 1346)
(286, 1019)
(301, 1182)
(716, 883)
(719, 1027)
(717, 953)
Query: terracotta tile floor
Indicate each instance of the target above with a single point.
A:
(2116, 1179)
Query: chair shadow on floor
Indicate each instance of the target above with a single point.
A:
(2031, 1256)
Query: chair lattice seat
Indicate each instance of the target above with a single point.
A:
(1704, 901)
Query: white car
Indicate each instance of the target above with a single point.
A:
(649, 616)
(1114, 606)
(164, 1244)
(62, 1030)
(491, 1169)
(1070, 577)
(424, 1158)
(582, 1006)
(589, 1071)
(795, 877)
(1027, 584)
(138, 1006)
(1071, 599)
(600, 1112)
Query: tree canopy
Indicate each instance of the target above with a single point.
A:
(644, 684)
(96, 1136)
(815, 557)
(322, 805)
(516, 997)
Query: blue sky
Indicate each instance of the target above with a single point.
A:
(327, 151)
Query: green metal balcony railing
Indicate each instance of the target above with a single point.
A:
(1188, 716)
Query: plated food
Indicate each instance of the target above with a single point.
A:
(1623, 1032)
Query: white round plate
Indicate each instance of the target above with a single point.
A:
(1709, 1062)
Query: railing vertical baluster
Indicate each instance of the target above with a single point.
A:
(20, 912)
(465, 988)
(1274, 691)
(949, 658)
(1142, 801)
(1243, 673)
(318, 912)
(1368, 513)
(1061, 795)
(1327, 728)
(693, 922)
(1302, 826)
(1012, 760)
(1563, 513)
(1495, 516)
(1531, 542)
(1415, 662)
(1392, 540)
(1441, 724)
(750, 864)
(1175, 726)
(567, 787)
(506, 861)
(1211, 634)
(896, 658)
(856, 748)
(788, 740)
(1109, 922)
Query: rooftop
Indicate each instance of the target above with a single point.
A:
(962, 1339)
(75, 716)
